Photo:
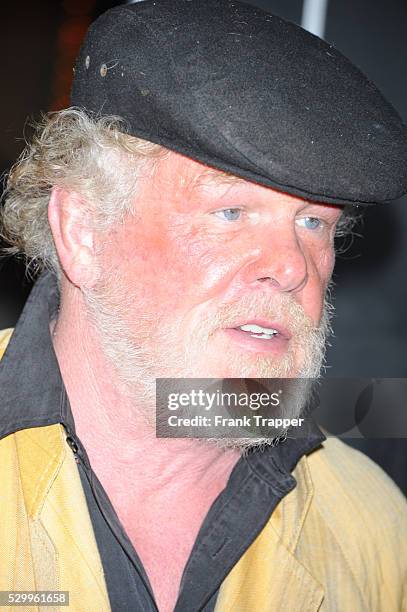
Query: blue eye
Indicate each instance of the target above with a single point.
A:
(229, 214)
(311, 223)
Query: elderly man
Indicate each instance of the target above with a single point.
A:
(185, 211)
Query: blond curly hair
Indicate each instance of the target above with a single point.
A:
(91, 155)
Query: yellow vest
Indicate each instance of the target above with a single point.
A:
(337, 542)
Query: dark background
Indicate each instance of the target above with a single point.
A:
(39, 41)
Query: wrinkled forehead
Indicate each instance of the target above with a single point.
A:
(180, 171)
(185, 180)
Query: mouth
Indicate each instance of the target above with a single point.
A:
(260, 336)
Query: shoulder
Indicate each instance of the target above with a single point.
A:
(358, 518)
(5, 335)
(358, 502)
(337, 467)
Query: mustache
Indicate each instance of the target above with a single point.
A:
(281, 309)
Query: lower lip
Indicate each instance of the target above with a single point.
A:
(277, 345)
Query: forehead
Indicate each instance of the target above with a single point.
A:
(180, 172)
(183, 180)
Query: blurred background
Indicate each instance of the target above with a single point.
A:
(39, 42)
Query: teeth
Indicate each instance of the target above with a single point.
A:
(263, 336)
(264, 332)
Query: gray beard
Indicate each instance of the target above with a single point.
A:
(137, 369)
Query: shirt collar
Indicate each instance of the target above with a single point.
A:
(274, 464)
(33, 392)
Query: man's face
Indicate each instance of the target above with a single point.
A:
(219, 278)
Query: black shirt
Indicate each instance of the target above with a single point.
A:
(33, 395)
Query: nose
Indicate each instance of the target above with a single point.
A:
(280, 262)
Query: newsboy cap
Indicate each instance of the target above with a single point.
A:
(246, 92)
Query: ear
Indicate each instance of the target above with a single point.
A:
(68, 217)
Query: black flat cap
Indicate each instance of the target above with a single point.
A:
(244, 91)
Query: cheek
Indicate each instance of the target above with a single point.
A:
(320, 270)
(320, 261)
(178, 267)
(169, 266)
(326, 265)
